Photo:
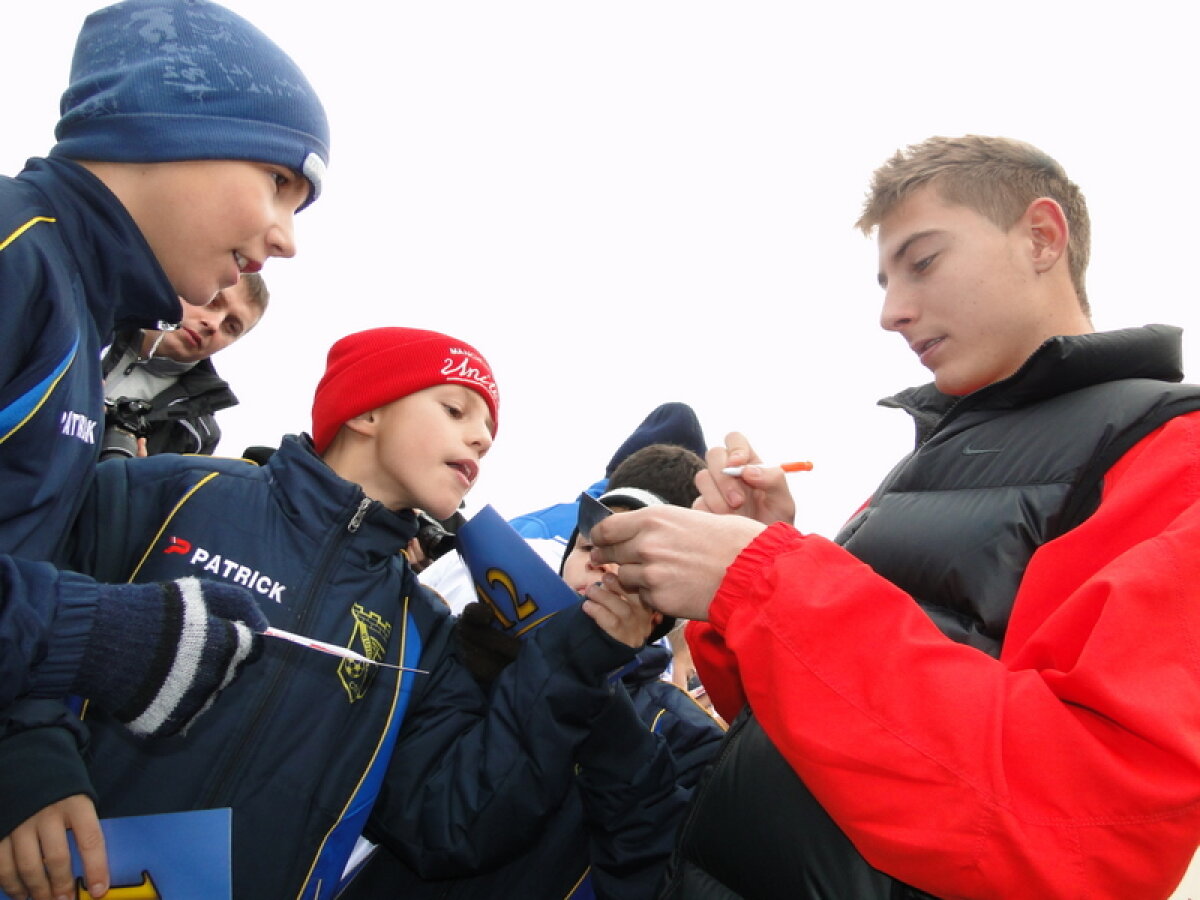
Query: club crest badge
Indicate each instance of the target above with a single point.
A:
(369, 637)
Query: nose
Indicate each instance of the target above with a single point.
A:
(898, 310)
(210, 320)
(281, 239)
(480, 438)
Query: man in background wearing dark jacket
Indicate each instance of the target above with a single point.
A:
(160, 387)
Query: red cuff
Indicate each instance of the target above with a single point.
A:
(746, 580)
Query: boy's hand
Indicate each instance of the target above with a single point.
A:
(485, 649)
(35, 861)
(674, 558)
(158, 654)
(761, 494)
(415, 554)
(625, 618)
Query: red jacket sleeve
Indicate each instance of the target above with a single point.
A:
(1070, 767)
(716, 668)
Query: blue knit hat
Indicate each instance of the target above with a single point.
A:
(167, 80)
(670, 423)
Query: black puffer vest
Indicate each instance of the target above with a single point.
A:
(995, 475)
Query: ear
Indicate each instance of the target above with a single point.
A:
(1046, 225)
(364, 423)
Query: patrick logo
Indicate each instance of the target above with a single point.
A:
(216, 565)
(178, 545)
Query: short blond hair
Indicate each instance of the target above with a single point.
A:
(996, 177)
(256, 291)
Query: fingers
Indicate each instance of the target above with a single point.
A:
(721, 493)
(718, 492)
(89, 840)
(764, 478)
(771, 495)
(232, 602)
(608, 534)
(625, 618)
(10, 881)
(759, 493)
(30, 872)
(738, 450)
(35, 860)
(56, 859)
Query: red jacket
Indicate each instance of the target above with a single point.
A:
(1070, 767)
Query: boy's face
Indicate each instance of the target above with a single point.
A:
(209, 220)
(427, 448)
(204, 330)
(961, 292)
(578, 570)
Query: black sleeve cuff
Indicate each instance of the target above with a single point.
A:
(40, 764)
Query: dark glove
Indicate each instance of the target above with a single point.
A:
(158, 654)
(484, 648)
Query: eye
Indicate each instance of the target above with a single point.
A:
(282, 179)
(232, 326)
(452, 411)
(924, 263)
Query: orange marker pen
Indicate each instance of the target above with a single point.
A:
(787, 467)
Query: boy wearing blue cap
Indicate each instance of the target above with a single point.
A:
(187, 142)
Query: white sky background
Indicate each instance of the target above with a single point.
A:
(627, 203)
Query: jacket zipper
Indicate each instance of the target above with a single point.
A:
(216, 793)
(359, 515)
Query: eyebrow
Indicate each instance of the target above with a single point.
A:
(903, 248)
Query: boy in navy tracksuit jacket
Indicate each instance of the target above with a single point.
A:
(588, 849)
(310, 749)
(166, 182)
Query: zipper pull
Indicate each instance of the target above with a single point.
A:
(359, 515)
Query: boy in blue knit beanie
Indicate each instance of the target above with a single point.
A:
(187, 142)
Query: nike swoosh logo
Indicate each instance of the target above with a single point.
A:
(971, 451)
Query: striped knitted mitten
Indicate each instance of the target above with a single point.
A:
(158, 654)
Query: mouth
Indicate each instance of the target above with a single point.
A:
(192, 336)
(245, 264)
(924, 348)
(467, 469)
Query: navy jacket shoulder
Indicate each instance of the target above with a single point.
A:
(72, 264)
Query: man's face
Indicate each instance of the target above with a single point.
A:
(427, 449)
(204, 330)
(209, 220)
(961, 291)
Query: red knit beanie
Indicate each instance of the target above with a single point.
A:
(370, 369)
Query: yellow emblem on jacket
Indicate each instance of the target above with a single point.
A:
(369, 637)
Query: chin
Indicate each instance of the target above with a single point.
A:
(192, 300)
(439, 511)
(954, 387)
